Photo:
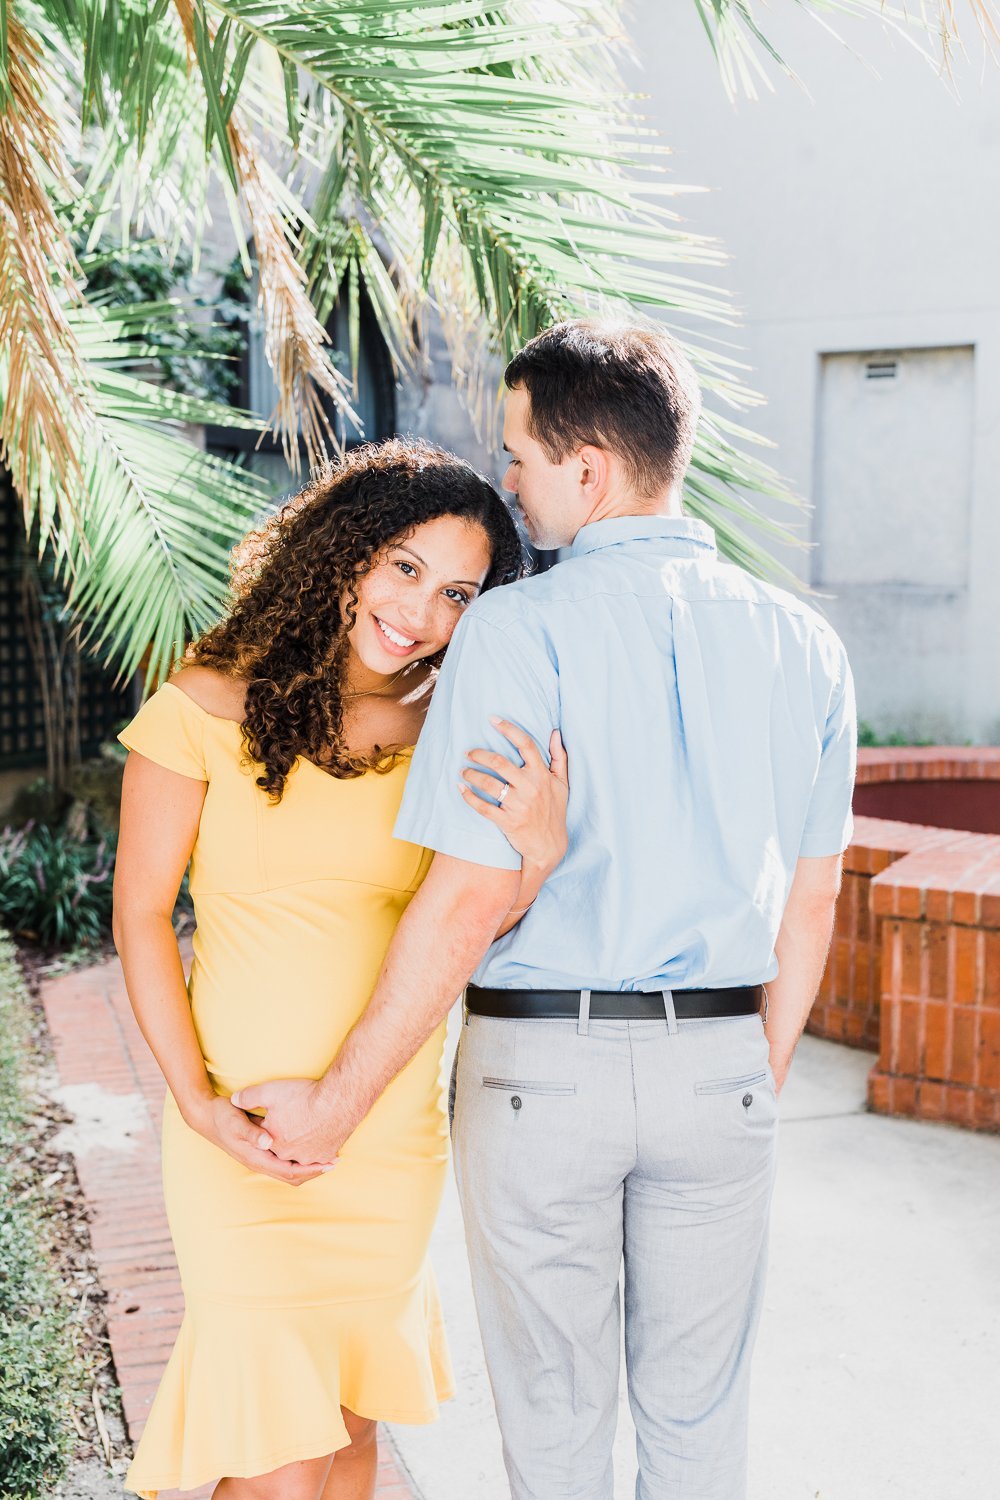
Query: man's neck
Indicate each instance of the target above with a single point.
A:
(613, 508)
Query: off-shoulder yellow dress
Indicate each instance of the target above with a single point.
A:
(298, 1300)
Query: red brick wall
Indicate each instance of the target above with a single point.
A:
(914, 968)
(939, 1054)
(928, 763)
(847, 1006)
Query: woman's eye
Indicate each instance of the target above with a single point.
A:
(404, 566)
(457, 596)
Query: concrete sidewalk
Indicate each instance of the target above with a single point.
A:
(877, 1372)
(878, 1366)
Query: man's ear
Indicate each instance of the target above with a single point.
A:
(595, 469)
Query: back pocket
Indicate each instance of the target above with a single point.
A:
(524, 1086)
(729, 1085)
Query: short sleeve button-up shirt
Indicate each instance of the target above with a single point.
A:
(709, 722)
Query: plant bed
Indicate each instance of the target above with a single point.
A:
(55, 886)
(57, 1390)
(57, 864)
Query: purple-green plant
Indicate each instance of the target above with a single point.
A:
(55, 888)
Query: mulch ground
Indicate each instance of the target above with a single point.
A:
(117, 1244)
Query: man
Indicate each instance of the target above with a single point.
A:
(616, 1087)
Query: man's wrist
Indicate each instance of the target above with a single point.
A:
(327, 1087)
(337, 1100)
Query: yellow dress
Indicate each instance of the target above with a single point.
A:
(297, 1300)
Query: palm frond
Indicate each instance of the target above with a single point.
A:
(743, 49)
(477, 155)
(40, 417)
(503, 184)
(149, 563)
(295, 341)
(146, 519)
(986, 16)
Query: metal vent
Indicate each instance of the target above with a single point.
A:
(881, 369)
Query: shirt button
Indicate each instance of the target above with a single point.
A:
(747, 1100)
(515, 1101)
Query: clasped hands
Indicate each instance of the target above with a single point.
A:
(306, 1122)
(298, 1138)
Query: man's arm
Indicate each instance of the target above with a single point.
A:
(802, 946)
(443, 934)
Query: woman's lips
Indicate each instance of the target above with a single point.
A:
(393, 640)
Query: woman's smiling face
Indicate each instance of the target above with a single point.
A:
(416, 591)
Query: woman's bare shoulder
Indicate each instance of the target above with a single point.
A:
(223, 697)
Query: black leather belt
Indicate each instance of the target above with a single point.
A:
(613, 1005)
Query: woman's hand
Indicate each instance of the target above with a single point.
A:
(532, 812)
(234, 1132)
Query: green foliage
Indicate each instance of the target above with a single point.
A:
(57, 860)
(195, 355)
(868, 737)
(56, 886)
(90, 802)
(149, 559)
(482, 156)
(35, 1365)
(40, 1376)
(96, 788)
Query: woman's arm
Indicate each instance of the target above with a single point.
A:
(532, 813)
(160, 814)
(533, 877)
(159, 824)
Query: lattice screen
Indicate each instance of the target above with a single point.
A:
(22, 728)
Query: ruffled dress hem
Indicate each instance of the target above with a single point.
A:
(149, 1489)
(237, 1377)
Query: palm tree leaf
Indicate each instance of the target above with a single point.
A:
(163, 486)
(454, 120)
(147, 524)
(742, 48)
(455, 126)
(478, 154)
(40, 415)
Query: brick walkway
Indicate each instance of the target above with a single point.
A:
(113, 1087)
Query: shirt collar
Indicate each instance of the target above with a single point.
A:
(684, 536)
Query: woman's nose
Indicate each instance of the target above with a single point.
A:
(415, 613)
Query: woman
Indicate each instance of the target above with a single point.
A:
(274, 761)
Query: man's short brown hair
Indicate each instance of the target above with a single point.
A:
(623, 387)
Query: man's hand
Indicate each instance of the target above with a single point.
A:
(801, 949)
(227, 1127)
(442, 935)
(780, 1071)
(301, 1123)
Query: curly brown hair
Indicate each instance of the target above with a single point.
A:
(287, 627)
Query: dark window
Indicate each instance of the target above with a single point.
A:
(102, 706)
(375, 401)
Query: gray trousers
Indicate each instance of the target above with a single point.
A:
(580, 1146)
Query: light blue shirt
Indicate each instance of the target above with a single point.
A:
(709, 721)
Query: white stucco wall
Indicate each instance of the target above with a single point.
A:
(862, 217)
